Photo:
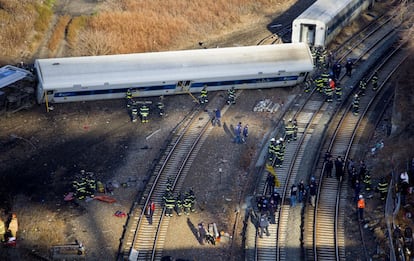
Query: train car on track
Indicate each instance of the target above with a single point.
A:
(323, 20)
(171, 72)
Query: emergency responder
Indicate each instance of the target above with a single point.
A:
(338, 92)
(325, 79)
(169, 202)
(367, 181)
(322, 58)
(295, 129)
(374, 81)
(313, 190)
(361, 206)
(278, 154)
(144, 112)
(337, 70)
(187, 204)
(129, 100)
(329, 90)
(289, 130)
(191, 197)
(13, 225)
(307, 88)
(128, 94)
(355, 105)
(203, 96)
(348, 66)
(383, 188)
(134, 114)
(362, 86)
(271, 149)
(160, 108)
(231, 96)
(319, 83)
(179, 207)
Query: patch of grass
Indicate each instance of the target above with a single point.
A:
(76, 24)
(45, 14)
(58, 33)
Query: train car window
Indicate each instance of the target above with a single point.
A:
(50, 92)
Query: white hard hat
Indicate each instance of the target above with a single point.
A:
(360, 196)
(281, 139)
(272, 139)
(278, 142)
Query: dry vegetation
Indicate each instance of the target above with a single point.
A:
(22, 24)
(121, 26)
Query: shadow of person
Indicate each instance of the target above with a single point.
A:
(228, 129)
(193, 229)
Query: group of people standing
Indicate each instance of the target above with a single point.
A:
(299, 192)
(180, 203)
(141, 109)
(241, 133)
(8, 230)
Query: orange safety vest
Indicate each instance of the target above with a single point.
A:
(361, 203)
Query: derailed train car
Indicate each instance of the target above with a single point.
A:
(172, 72)
(323, 20)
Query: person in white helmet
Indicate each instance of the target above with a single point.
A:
(355, 105)
(361, 207)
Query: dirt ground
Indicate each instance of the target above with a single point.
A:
(41, 153)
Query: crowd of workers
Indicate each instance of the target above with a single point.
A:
(141, 109)
(182, 203)
(327, 80)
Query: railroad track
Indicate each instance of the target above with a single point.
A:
(141, 241)
(145, 242)
(325, 225)
(308, 118)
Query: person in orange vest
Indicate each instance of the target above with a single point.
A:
(150, 211)
(361, 206)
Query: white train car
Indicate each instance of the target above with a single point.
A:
(323, 20)
(172, 72)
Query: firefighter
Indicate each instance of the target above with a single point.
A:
(308, 86)
(374, 81)
(203, 96)
(289, 130)
(129, 100)
(187, 204)
(325, 79)
(279, 154)
(189, 195)
(160, 108)
(329, 90)
(144, 112)
(231, 96)
(355, 105)
(128, 94)
(272, 149)
(367, 181)
(338, 92)
(362, 86)
(169, 202)
(295, 129)
(319, 83)
(383, 188)
(179, 208)
(134, 114)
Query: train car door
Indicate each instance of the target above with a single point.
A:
(308, 33)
